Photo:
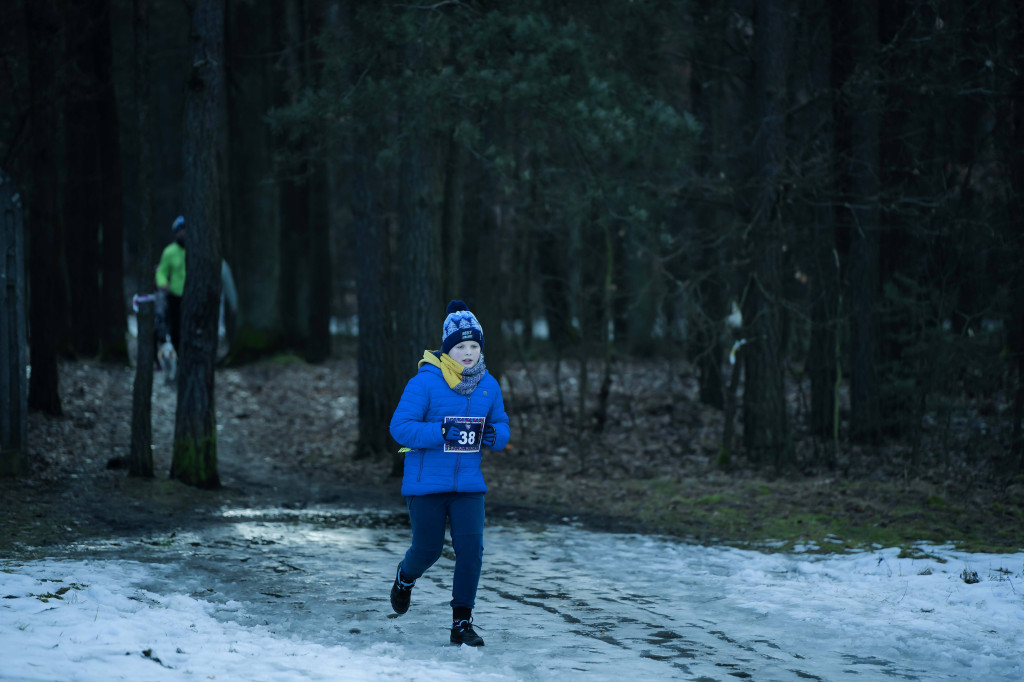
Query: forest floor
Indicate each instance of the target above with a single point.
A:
(286, 434)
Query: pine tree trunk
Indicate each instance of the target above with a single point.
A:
(765, 423)
(864, 223)
(111, 215)
(318, 344)
(381, 374)
(720, 84)
(419, 305)
(815, 129)
(195, 430)
(254, 241)
(295, 189)
(82, 186)
(140, 458)
(452, 210)
(13, 332)
(1015, 151)
(43, 224)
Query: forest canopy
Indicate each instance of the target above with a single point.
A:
(817, 208)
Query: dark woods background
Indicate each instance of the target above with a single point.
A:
(600, 180)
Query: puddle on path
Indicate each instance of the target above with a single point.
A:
(553, 599)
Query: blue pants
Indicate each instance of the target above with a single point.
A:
(465, 513)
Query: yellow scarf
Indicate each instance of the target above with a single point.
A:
(450, 370)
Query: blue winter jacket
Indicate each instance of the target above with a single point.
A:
(416, 424)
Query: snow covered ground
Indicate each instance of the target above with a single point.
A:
(284, 595)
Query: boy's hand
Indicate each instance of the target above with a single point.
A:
(451, 432)
(489, 435)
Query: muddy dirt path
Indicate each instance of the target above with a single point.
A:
(556, 601)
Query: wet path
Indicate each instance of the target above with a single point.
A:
(555, 601)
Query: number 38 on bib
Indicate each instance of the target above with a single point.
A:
(472, 429)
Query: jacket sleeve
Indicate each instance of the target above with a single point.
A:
(499, 420)
(163, 271)
(408, 425)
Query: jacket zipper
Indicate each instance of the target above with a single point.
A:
(458, 458)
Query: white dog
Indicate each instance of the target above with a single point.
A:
(168, 359)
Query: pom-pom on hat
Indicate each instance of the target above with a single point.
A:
(460, 325)
(179, 223)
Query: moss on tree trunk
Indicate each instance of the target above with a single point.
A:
(195, 460)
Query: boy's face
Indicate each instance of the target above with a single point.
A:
(466, 354)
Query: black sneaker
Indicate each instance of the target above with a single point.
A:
(401, 592)
(463, 633)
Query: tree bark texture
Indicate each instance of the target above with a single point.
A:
(13, 332)
(482, 247)
(864, 222)
(453, 284)
(254, 199)
(46, 255)
(111, 215)
(815, 131)
(140, 458)
(421, 310)
(293, 175)
(765, 421)
(1015, 151)
(381, 373)
(720, 92)
(195, 431)
(318, 344)
(81, 205)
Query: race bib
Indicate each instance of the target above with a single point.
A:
(472, 433)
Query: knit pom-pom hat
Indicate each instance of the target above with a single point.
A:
(460, 325)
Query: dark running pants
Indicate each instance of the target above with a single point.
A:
(174, 320)
(465, 513)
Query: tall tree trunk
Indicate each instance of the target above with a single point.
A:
(641, 291)
(46, 255)
(255, 204)
(321, 275)
(1015, 151)
(382, 373)
(865, 107)
(305, 245)
(81, 199)
(417, 299)
(140, 459)
(13, 332)
(294, 178)
(552, 243)
(484, 246)
(816, 132)
(453, 284)
(111, 216)
(417, 295)
(318, 345)
(765, 425)
(195, 428)
(706, 327)
(720, 92)
(419, 305)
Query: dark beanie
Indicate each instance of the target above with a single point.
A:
(460, 325)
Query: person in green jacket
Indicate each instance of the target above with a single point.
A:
(170, 278)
